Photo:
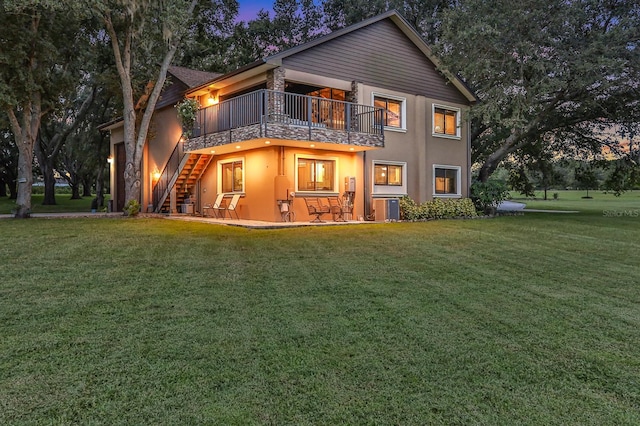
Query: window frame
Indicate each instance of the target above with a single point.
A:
(312, 157)
(380, 190)
(220, 165)
(403, 109)
(458, 170)
(458, 111)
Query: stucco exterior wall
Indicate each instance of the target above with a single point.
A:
(164, 134)
(116, 137)
(269, 174)
(417, 147)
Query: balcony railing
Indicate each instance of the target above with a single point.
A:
(266, 106)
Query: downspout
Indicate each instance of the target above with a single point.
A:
(281, 162)
(367, 202)
(468, 158)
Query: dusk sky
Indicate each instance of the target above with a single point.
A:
(249, 8)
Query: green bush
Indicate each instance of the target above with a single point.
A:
(487, 195)
(132, 208)
(439, 208)
(187, 114)
(59, 190)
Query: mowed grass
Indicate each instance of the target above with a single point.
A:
(530, 319)
(64, 204)
(604, 203)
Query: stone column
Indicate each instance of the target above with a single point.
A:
(353, 97)
(276, 99)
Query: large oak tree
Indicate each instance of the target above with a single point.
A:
(556, 73)
(144, 35)
(36, 41)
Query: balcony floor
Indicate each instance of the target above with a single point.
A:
(256, 136)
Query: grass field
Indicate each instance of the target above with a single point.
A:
(598, 203)
(64, 204)
(531, 319)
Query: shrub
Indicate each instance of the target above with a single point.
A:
(439, 208)
(487, 195)
(187, 111)
(132, 208)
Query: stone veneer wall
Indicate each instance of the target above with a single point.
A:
(353, 95)
(275, 79)
(275, 82)
(284, 131)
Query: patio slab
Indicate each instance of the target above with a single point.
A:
(258, 224)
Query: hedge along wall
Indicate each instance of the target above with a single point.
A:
(439, 208)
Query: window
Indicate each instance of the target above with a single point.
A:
(389, 178)
(315, 174)
(231, 177)
(446, 121)
(394, 110)
(387, 174)
(446, 180)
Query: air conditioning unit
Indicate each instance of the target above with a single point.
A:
(386, 209)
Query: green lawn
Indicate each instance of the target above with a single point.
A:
(64, 204)
(599, 202)
(531, 319)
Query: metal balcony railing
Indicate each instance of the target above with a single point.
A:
(161, 187)
(268, 106)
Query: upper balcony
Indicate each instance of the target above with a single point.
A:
(286, 118)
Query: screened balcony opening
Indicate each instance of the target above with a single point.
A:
(316, 104)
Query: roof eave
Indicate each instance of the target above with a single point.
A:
(239, 74)
(111, 125)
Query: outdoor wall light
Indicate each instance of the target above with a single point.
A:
(155, 174)
(213, 99)
(110, 160)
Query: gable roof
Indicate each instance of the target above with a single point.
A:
(276, 59)
(192, 78)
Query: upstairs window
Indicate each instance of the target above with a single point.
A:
(394, 110)
(446, 121)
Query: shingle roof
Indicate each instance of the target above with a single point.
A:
(192, 78)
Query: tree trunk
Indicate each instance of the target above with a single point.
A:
(25, 136)
(132, 182)
(3, 188)
(25, 178)
(75, 191)
(100, 187)
(46, 166)
(86, 187)
(13, 190)
(49, 183)
(514, 142)
(488, 167)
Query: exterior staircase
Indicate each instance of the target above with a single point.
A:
(184, 177)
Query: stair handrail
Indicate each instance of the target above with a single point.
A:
(173, 163)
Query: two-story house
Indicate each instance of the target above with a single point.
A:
(364, 113)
